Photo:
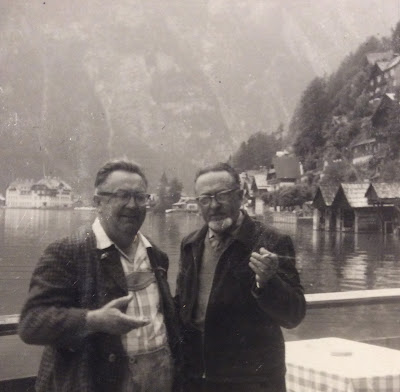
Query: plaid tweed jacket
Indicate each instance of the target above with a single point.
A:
(72, 277)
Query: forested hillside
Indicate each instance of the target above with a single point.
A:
(335, 112)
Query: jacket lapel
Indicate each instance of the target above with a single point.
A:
(111, 265)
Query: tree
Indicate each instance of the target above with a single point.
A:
(337, 172)
(258, 151)
(175, 190)
(168, 193)
(162, 203)
(307, 123)
(390, 171)
(392, 132)
(396, 38)
(295, 196)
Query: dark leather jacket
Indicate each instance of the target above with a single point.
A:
(242, 337)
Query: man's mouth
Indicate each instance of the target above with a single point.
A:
(130, 216)
(217, 217)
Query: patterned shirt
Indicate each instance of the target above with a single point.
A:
(146, 300)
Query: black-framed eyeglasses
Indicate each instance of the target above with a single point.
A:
(140, 198)
(220, 197)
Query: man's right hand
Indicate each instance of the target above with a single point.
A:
(111, 319)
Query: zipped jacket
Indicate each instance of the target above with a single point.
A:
(242, 337)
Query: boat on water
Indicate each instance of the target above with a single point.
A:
(184, 205)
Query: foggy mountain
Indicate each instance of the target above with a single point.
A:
(171, 84)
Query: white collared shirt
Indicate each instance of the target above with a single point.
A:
(145, 302)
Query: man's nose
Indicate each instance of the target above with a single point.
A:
(214, 202)
(132, 202)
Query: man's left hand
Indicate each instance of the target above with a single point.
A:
(264, 264)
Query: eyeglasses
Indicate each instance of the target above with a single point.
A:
(220, 197)
(125, 196)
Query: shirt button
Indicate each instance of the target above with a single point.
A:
(112, 358)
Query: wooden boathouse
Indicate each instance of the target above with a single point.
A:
(385, 197)
(358, 207)
(322, 203)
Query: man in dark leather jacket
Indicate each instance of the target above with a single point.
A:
(237, 286)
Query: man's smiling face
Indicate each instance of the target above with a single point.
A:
(121, 217)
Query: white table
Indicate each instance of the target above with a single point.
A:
(340, 365)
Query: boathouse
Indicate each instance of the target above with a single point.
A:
(385, 198)
(357, 207)
(353, 213)
(323, 217)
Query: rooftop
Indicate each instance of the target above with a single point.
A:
(261, 181)
(287, 167)
(386, 190)
(355, 194)
(328, 193)
(373, 57)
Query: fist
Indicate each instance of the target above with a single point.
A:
(265, 265)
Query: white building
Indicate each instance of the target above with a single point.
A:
(45, 193)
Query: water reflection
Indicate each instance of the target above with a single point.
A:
(327, 261)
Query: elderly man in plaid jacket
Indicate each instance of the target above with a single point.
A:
(100, 301)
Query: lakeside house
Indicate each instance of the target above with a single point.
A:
(45, 193)
(357, 207)
(364, 150)
(385, 74)
(385, 197)
(285, 171)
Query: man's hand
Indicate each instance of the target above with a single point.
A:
(111, 319)
(264, 265)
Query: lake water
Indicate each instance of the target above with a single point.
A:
(326, 261)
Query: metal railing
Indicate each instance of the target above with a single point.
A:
(9, 323)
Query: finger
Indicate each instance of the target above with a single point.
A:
(120, 303)
(134, 322)
(263, 254)
(265, 270)
(265, 262)
(255, 269)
